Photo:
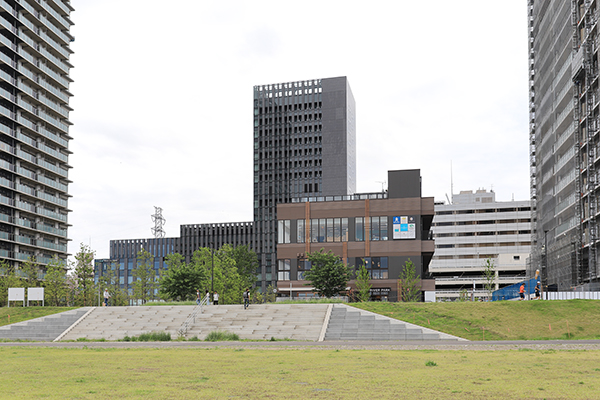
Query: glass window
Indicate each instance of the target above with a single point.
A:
(337, 227)
(300, 231)
(283, 270)
(344, 230)
(314, 230)
(359, 223)
(375, 228)
(377, 266)
(283, 231)
(322, 232)
(330, 229)
(383, 228)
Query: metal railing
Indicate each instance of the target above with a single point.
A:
(191, 319)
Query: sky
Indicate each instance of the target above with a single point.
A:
(163, 101)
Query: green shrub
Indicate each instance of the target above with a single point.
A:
(221, 336)
(149, 337)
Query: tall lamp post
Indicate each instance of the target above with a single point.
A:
(212, 269)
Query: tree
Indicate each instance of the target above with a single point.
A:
(8, 279)
(144, 277)
(110, 281)
(30, 270)
(181, 280)
(363, 283)
(225, 278)
(55, 283)
(489, 274)
(246, 262)
(83, 272)
(328, 275)
(269, 295)
(410, 283)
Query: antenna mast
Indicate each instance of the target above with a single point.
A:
(159, 221)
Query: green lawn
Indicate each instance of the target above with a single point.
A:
(500, 320)
(220, 373)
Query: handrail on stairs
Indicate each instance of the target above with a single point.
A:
(192, 317)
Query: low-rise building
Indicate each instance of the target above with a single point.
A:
(383, 230)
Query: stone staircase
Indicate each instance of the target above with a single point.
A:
(310, 322)
(297, 322)
(350, 323)
(114, 323)
(42, 329)
(263, 321)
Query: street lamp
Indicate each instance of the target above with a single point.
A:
(212, 270)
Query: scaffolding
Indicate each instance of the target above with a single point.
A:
(584, 73)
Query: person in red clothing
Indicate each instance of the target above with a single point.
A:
(522, 291)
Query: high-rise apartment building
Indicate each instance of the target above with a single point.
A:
(564, 141)
(304, 146)
(34, 129)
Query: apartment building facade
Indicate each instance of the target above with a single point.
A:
(471, 230)
(563, 86)
(34, 129)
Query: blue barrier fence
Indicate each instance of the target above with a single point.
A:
(512, 291)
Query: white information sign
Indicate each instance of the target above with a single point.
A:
(35, 294)
(16, 294)
(405, 227)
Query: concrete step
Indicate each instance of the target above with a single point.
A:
(350, 323)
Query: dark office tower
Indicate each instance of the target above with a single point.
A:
(564, 123)
(34, 129)
(304, 146)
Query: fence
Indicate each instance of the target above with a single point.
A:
(512, 291)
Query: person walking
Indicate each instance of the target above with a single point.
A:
(537, 291)
(522, 291)
(246, 296)
(198, 299)
(207, 298)
(216, 298)
(106, 296)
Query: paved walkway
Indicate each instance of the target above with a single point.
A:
(540, 345)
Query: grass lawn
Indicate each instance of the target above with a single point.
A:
(500, 320)
(297, 374)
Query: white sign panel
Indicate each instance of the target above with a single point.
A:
(35, 294)
(16, 294)
(405, 227)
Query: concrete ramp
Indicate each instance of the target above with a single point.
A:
(350, 323)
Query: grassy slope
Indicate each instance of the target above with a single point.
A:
(18, 314)
(502, 320)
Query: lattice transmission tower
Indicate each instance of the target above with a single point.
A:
(159, 221)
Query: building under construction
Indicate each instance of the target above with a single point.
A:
(564, 125)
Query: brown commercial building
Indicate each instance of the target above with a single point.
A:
(382, 229)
